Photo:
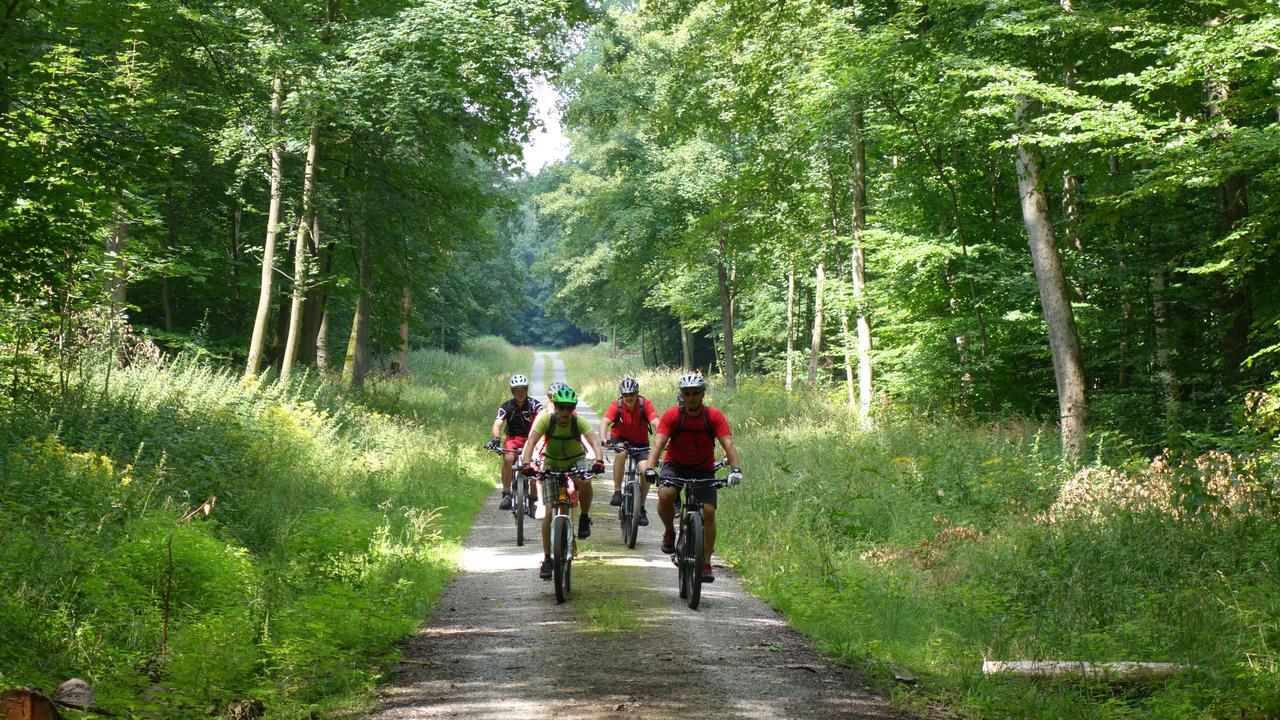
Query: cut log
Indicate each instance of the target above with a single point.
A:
(1082, 670)
(27, 704)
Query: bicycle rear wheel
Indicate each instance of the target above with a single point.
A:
(691, 558)
(518, 503)
(559, 556)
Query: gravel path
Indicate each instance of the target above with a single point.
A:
(624, 645)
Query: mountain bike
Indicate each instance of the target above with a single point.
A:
(632, 502)
(690, 553)
(558, 487)
(521, 498)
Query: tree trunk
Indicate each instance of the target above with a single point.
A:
(115, 246)
(357, 363)
(613, 341)
(171, 234)
(791, 329)
(317, 299)
(301, 259)
(726, 310)
(404, 331)
(258, 339)
(1064, 342)
(815, 338)
(1235, 305)
(1164, 365)
(322, 342)
(642, 354)
(686, 348)
(857, 268)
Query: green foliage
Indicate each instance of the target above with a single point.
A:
(335, 527)
(928, 544)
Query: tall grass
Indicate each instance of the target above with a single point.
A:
(337, 521)
(926, 545)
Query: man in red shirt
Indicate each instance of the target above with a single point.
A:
(692, 430)
(631, 418)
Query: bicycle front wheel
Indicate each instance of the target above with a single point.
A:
(631, 524)
(519, 502)
(560, 533)
(691, 559)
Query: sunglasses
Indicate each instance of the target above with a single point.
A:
(691, 393)
(562, 406)
(629, 395)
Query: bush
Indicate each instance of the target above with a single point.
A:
(337, 522)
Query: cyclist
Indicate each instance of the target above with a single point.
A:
(691, 429)
(631, 418)
(518, 415)
(567, 438)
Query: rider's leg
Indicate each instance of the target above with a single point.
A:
(667, 507)
(619, 464)
(507, 460)
(644, 482)
(584, 496)
(708, 530)
(546, 536)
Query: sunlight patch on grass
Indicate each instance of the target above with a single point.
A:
(607, 598)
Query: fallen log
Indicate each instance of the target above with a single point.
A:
(1082, 670)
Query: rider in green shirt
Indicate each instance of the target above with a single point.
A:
(565, 433)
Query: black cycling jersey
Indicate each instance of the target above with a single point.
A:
(519, 418)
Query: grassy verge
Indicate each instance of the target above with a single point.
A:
(928, 545)
(337, 522)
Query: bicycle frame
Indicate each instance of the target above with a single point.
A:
(632, 503)
(557, 489)
(519, 501)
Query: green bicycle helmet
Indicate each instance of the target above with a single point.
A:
(565, 396)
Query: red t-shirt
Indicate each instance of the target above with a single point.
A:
(693, 446)
(632, 426)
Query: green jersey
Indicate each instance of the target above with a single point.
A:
(563, 442)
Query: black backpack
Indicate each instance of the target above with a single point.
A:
(706, 427)
(639, 408)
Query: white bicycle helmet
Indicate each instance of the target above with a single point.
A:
(519, 381)
(628, 385)
(553, 387)
(692, 380)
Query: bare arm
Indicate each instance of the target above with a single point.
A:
(730, 451)
(497, 428)
(527, 454)
(659, 444)
(594, 443)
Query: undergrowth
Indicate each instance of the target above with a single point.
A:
(337, 522)
(928, 544)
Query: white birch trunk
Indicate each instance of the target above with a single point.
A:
(301, 261)
(1064, 342)
(791, 332)
(258, 338)
(815, 339)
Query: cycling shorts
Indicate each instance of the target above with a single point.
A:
(514, 443)
(706, 494)
(639, 453)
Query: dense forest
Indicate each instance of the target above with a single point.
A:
(843, 193)
(846, 192)
(1001, 263)
(283, 183)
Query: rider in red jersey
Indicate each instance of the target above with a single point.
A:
(691, 430)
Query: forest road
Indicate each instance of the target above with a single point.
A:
(624, 645)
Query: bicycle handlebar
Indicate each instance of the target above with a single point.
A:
(721, 464)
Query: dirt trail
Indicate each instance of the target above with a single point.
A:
(625, 645)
